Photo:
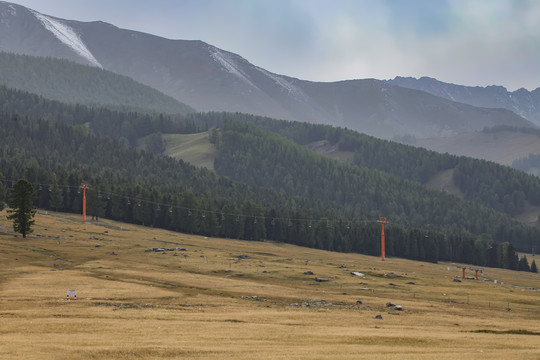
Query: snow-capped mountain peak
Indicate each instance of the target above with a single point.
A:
(68, 36)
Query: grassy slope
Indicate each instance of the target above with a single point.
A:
(200, 304)
(501, 147)
(195, 149)
(192, 148)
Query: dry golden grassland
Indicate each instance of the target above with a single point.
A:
(205, 302)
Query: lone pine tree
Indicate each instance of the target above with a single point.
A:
(20, 205)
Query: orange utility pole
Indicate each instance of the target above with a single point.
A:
(383, 221)
(84, 187)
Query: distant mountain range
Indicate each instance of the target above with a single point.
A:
(208, 78)
(523, 102)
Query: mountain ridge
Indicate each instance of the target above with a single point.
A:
(208, 78)
(523, 102)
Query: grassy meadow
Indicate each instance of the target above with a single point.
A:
(192, 148)
(214, 298)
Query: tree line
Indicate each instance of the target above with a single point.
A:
(153, 190)
(73, 83)
(496, 186)
(279, 209)
(489, 184)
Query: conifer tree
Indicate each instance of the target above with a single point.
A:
(534, 269)
(2, 193)
(57, 198)
(21, 208)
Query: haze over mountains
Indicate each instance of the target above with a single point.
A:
(207, 78)
(523, 102)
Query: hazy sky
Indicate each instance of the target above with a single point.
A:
(469, 42)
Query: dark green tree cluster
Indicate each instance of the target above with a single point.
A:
(143, 188)
(293, 195)
(21, 210)
(128, 126)
(69, 82)
(499, 187)
(534, 269)
(504, 255)
(3, 193)
(486, 183)
(251, 155)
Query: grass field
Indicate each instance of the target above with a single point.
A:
(227, 299)
(195, 149)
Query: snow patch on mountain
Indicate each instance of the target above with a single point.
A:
(285, 85)
(8, 11)
(68, 36)
(229, 64)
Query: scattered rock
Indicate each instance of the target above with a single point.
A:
(392, 284)
(318, 279)
(457, 280)
(356, 273)
(243, 257)
(390, 304)
(309, 272)
(411, 283)
(112, 253)
(358, 302)
(162, 249)
(398, 307)
(99, 245)
(379, 317)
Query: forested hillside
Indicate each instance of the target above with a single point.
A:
(256, 157)
(496, 186)
(125, 126)
(486, 183)
(73, 83)
(299, 197)
(155, 190)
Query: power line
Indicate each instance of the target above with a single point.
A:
(190, 210)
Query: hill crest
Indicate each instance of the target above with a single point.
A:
(208, 78)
